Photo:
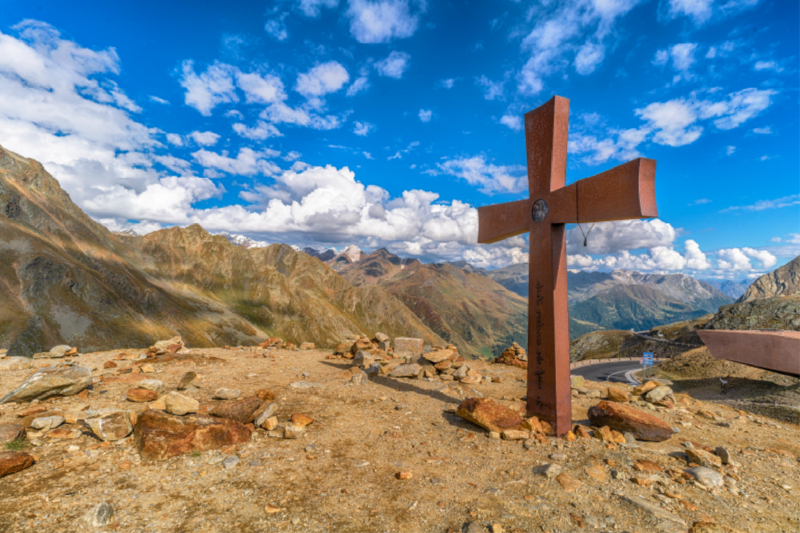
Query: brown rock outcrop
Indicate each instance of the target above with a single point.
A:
(242, 411)
(11, 462)
(489, 414)
(624, 418)
(160, 435)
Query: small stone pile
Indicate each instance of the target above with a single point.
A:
(514, 355)
(380, 344)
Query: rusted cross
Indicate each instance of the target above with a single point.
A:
(624, 192)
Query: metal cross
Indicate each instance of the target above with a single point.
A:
(624, 192)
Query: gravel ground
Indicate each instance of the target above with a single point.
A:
(340, 475)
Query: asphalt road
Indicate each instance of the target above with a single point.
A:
(608, 371)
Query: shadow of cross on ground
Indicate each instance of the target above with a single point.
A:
(624, 192)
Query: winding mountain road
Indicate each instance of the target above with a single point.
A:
(617, 371)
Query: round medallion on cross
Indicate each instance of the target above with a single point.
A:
(539, 210)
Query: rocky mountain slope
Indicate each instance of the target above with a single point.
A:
(783, 281)
(624, 299)
(734, 289)
(67, 279)
(465, 308)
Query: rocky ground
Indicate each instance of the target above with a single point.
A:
(388, 454)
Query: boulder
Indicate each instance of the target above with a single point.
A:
(361, 344)
(489, 414)
(111, 427)
(49, 382)
(408, 346)
(615, 394)
(227, 394)
(11, 432)
(438, 356)
(11, 462)
(658, 394)
(55, 352)
(243, 411)
(363, 359)
(576, 382)
(406, 371)
(381, 337)
(622, 417)
(168, 346)
(292, 431)
(160, 435)
(301, 419)
(140, 395)
(154, 385)
(706, 476)
(46, 423)
(307, 346)
(645, 387)
(178, 404)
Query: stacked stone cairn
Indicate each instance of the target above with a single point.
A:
(514, 355)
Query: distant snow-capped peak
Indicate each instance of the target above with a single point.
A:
(241, 240)
(353, 253)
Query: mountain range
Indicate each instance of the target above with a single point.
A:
(68, 280)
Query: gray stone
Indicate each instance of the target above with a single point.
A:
(530, 444)
(594, 394)
(359, 378)
(630, 438)
(265, 414)
(99, 515)
(706, 476)
(652, 509)
(381, 337)
(47, 422)
(373, 370)
(658, 394)
(363, 359)
(461, 372)
(406, 371)
(304, 385)
(723, 454)
(473, 527)
(227, 394)
(230, 462)
(154, 385)
(549, 471)
(49, 382)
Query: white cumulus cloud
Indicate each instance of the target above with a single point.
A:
(380, 21)
(394, 65)
(489, 177)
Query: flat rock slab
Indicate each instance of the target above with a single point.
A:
(489, 414)
(406, 371)
(652, 509)
(49, 382)
(11, 462)
(242, 411)
(159, 435)
(624, 418)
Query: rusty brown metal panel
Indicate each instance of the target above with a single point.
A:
(501, 221)
(623, 192)
(563, 205)
(777, 351)
(546, 130)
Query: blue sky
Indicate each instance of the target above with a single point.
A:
(387, 122)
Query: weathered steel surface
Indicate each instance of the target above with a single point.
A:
(778, 351)
(626, 191)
